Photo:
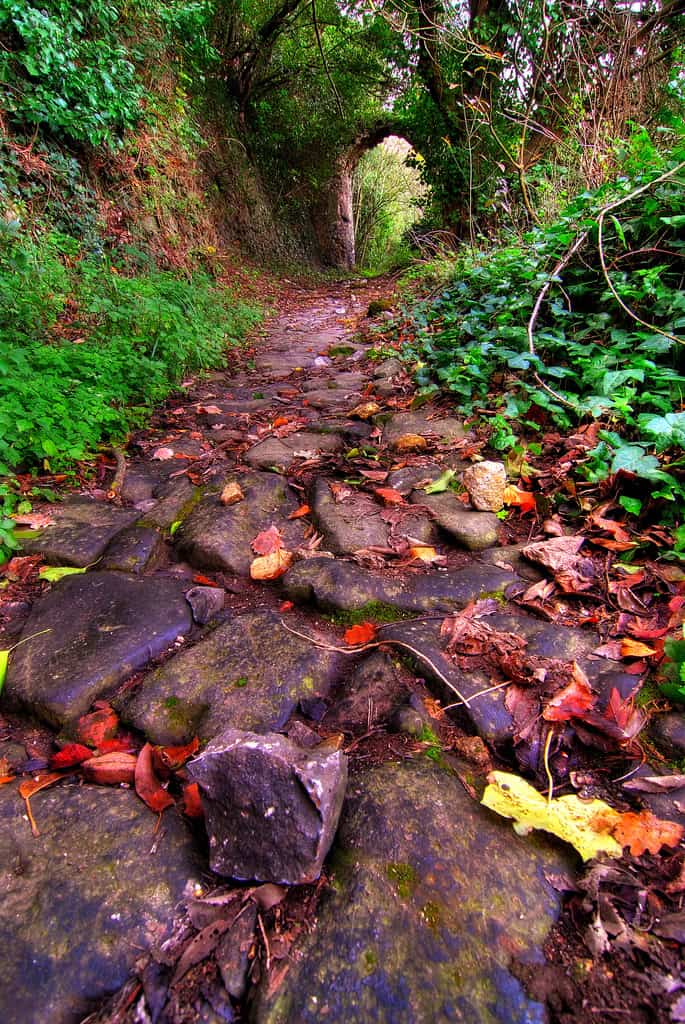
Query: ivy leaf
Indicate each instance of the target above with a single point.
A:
(441, 484)
(632, 458)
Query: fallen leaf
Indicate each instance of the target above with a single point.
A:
(31, 786)
(424, 553)
(21, 567)
(173, 757)
(365, 410)
(269, 895)
(205, 581)
(441, 484)
(70, 755)
(268, 541)
(209, 410)
(573, 573)
(34, 520)
(54, 573)
(635, 649)
(656, 783)
(147, 784)
(163, 453)
(303, 510)
(192, 803)
(585, 824)
(644, 832)
(410, 443)
(389, 495)
(286, 606)
(110, 769)
(4, 662)
(270, 567)
(124, 743)
(362, 633)
(525, 500)
(377, 475)
(231, 494)
(280, 421)
(97, 726)
(572, 700)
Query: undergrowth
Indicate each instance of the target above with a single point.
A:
(87, 349)
(583, 356)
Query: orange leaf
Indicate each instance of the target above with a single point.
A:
(192, 804)
(4, 779)
(173, 757)
(643, 832)
(424, 553)
(389, 495)
(280, 421)
(360, 634)
(98, 726)
(70, 755)
(303, 510)
(524, 500)
(286, 606)
(31, 786)
(147, 784)
(204, 581)
(268, 541)
(635, 649)
(271, 566)
(572, 700)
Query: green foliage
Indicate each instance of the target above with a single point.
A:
(591, 358)
(86, 351)
(386, 200)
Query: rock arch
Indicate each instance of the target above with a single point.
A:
(332, 214)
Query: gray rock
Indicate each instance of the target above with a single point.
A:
(342, 586)
(231, 952)
(103, 626)
(271, 808)
(205, 602)
(177, 500)
(341, 382)
(278, 453)
(249, 673)
(401, 423)
(375, 687)
(668, 732)
(510, 554)
(357, 521)
(81, 533)
(216, 536)
(475, 531)
(133, 550)
(81, 901)
(406, 479)
(433, 897)
(329, 398)
(388, 368)
(408, 720)
(485, 482)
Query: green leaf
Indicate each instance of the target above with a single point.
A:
(632, 505)
(4, 661)
(55, 573)
(174, 527)
(633, 459)
(442, 483)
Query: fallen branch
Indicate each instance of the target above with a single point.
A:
(120, 472)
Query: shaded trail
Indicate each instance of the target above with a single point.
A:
(425, 898)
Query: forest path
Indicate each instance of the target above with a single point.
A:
(263, 515)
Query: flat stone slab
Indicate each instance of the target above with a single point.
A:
(103, 626)
(333, 585)
(248, 674)
(81, 533)
(432, 898)
(271, 808)
(132, 550)
(400, 423)
(343, 381)
(84, 899)
(474, 531)
(175, 502)
(216, 536)
(356, 521)
(329, 398)
(279, 453)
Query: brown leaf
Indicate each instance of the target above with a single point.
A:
(209, 410)
(573, 700)
(162, 454)
(410, 443)
(231, 494)
(99, 725)
(110, 769)
(656, 783)
(31, 786)
(389, 495)
(644, 832)
(147, 785)
(303, 510)
(268, 541)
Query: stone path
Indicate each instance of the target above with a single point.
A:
(430, 900)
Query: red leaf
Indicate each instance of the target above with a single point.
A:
(173, 757)
(95, 728)
(147, 784)
(360, 634)
(204, 581)
(524, 500)
(192, 804)
(120, 744)
(286, 606)
(67, 757)
(303, 510)
(280, 421)
(389, 495)
(268, 541)
(572, 700)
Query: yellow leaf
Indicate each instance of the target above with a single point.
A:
(54, 573)
(585, 824)
(271, 566)
(410, 443)
(424, 553)
(4, 660)
(635, 649)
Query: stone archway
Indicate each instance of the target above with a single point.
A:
(332, 213)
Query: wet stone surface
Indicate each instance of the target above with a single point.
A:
(100, 628)
(432, 898)
(249, 673)
(83, 528)
(81, 901)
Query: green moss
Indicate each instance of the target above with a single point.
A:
(170, 703)
(494, 595)
(403, 878)
(340, 350)
(240, 682)
(369, 961)
(372, 611)
(431, 914)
